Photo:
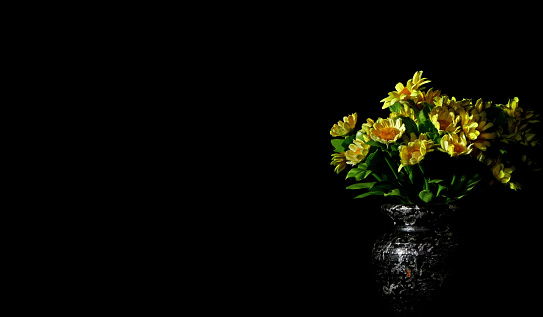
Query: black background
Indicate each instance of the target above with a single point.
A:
(326, 237)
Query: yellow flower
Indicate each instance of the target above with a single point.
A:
(517, 123)
(358, 151)
(344, 127)
(403, 93)
(428, 97)
(444, 119)
(469, 126)
(418, 80)
(516, 112)
(518, 133)
(502, 174)
(515, 186)
(405, 111)
(339, 161)
(512, 108)
(455, 145)
(444, 100)
(366, 129)
(480, 106)
(387, 130)
(474, 125)
(414, 152)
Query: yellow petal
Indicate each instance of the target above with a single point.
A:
(417, 76)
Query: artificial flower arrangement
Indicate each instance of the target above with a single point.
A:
(433, 148)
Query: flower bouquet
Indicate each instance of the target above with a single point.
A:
(433, 148)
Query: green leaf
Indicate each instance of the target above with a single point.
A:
(428, 105)
(394, 149)
(363, 175)
(345, 144)
(409, 170)
(410, 126)
(460, 183)
(441, 188)
(500, 119)
(433, 181)
(382, 187)
(337, 144)
(353, 172)
(425, 124)
(475, 179)
(361, 185)
(369, 194)
(394, 192)
(423, 115)
(397, 107)
(375, 143)
(360, 135)
(375, 160)
(470, 185)
(426, 195)
(428, 128)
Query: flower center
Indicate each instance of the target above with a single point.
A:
(405, 91)
(413, 150)
(443, 124)
(388, 133)
(459, 148)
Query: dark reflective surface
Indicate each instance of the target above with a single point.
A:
(413, 261)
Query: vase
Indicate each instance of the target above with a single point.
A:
(413, 260)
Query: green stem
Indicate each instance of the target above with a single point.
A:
(390, 165)
(407, 170)
(426, 187)
(377, 177)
